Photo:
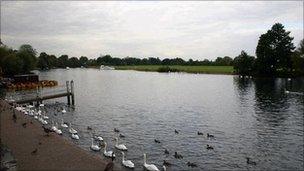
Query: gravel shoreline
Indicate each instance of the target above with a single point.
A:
(52, 152)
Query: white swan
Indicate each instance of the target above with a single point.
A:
(72, 130)
(127, 163)
(107, 153)
(94, 147)
(41, 105)
(53, 128)
(58, 131)
(63, 111)
(63, 124)
(75, 136)
(164, 168)
(120, 146)
(150, 167)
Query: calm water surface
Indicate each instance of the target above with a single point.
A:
(248, 117)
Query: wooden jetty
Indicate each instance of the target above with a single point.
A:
(69, 94)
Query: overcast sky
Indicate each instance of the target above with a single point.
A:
(196, 30)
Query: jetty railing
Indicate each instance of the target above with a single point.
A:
(41, 95)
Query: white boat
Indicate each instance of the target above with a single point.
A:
(102, 67)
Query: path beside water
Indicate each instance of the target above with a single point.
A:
(53, 152)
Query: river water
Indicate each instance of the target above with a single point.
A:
(249, 117)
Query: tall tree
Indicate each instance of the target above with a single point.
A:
(28, 56)
(244, 64)
(274, 50)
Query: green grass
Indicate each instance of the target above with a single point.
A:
(181, 68)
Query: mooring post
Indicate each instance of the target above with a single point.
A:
(72, 92)
(68, 92)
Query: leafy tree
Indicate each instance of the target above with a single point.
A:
(274, 50)
(298, 59)
(83, 60)
(13, 65)
(28, 56)
(244, 64)
(63, 61)
(73, 62)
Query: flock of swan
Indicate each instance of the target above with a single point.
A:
(40, 115)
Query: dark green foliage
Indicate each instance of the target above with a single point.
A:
(274, 51)
(28, 56)
(244, 64)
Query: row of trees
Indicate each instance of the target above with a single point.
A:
(275, 55)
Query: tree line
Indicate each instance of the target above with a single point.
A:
(275, 56)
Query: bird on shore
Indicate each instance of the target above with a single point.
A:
(116, 130)
(46, 130)
(250, 162)
(126, 163)
(149, 167)
(177, 156)
(34, 152)
(209, 147)
(156, 141)
(199, 133)
(120, 146)
(24, 125)
(189, 164)
(210, 136)
(176, 132)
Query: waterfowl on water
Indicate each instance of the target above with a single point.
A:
(121, 136)
(89, 128)
(177, 156)
(72, 130)
(53, 127)
(250, 162)
(209, 147)
(126, 163)
(210, 136)
(75, 136)
(63, 124)
(120, 146)
(164, 168)
(156, 140)
(116, 130)
(189, 164)
(94, 147)
(63, 111)
(166, 151)
(176, 132)
(199, 133)
(108, 153)
(149, 167)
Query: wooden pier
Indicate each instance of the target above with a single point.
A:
(69, 94)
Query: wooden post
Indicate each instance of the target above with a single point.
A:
(72, 92)
(68, 92)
